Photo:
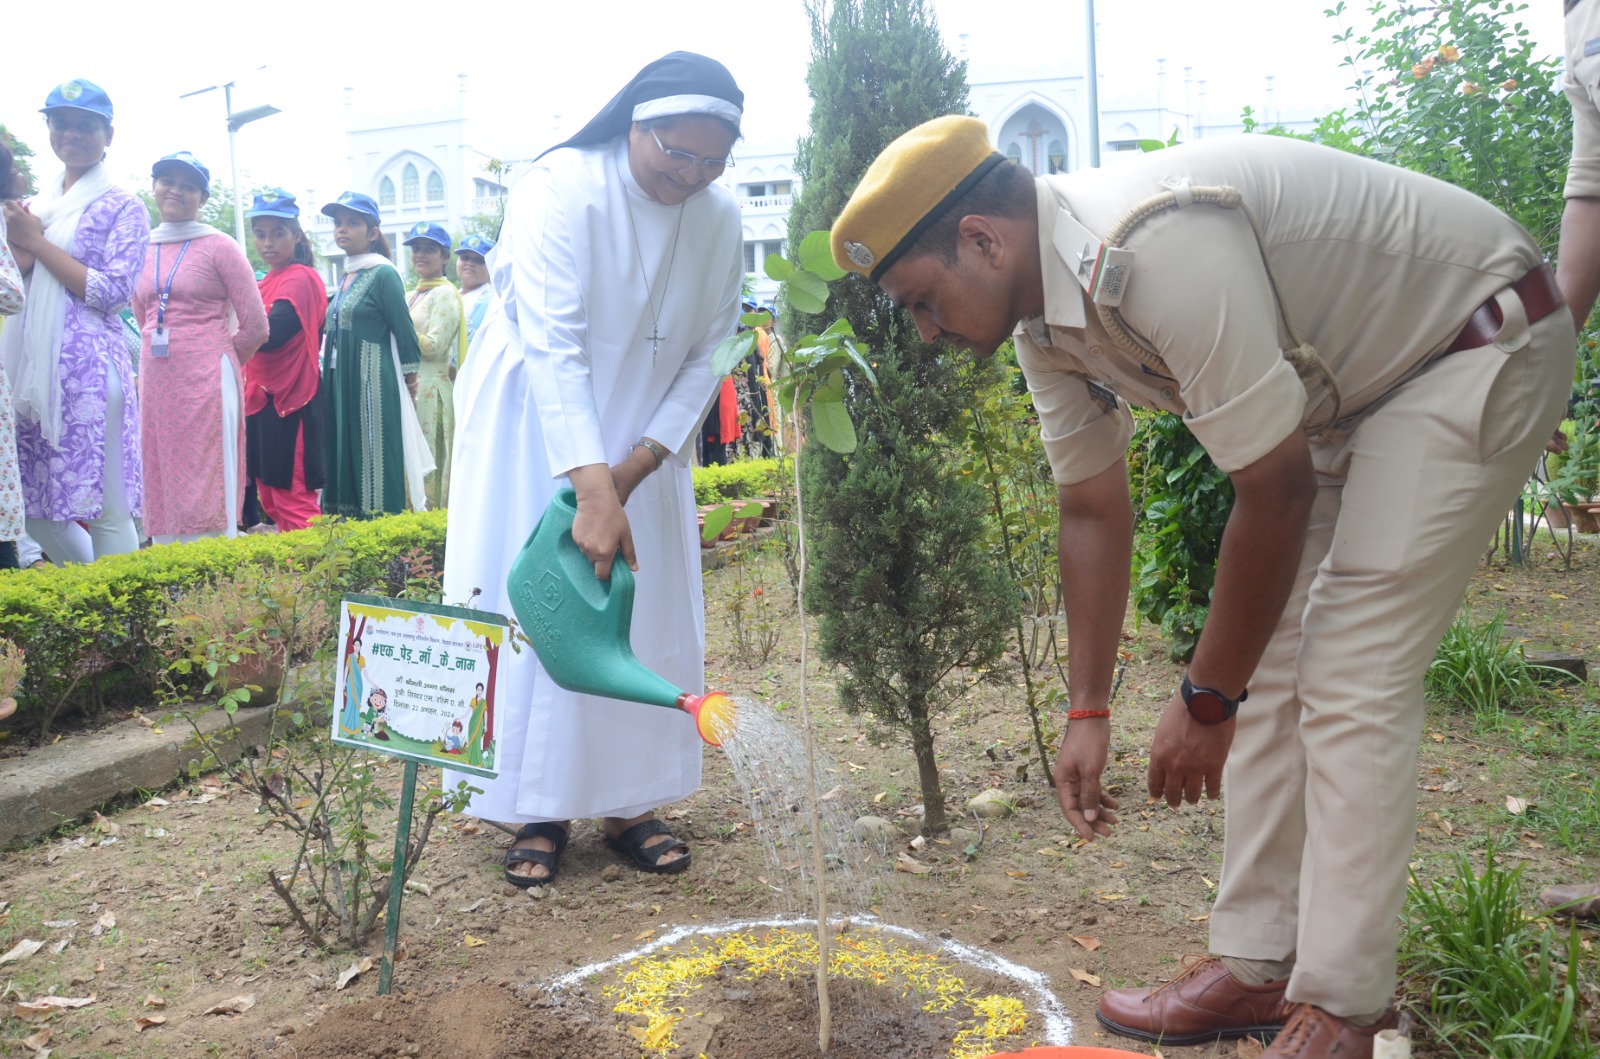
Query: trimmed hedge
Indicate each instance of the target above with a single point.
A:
(744, 480)
(80, 625)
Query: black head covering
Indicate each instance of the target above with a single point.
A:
(680, 73)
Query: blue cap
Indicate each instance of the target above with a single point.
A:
(79, 95)
(476, 244)
(422, 231)
(274, 202)
(357, 202)
(188, 165)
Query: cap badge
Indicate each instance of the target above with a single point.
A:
(859, 254)
(71, 90)
(348, 196)
(269, 196)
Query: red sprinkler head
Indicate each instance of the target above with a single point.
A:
(714, 715)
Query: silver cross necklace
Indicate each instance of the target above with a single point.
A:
(656, 337)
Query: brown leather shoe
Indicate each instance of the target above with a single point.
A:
(1312, 1033)
(1576, 901)
(1204, 1003)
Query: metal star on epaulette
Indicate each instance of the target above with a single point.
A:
(1086, 260)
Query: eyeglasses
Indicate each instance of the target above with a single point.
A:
(685, 160)
(80, 124)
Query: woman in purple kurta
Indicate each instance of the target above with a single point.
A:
(82, 243)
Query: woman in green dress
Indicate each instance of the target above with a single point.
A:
(376, 456)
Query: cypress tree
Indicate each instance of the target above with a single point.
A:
(904, 591)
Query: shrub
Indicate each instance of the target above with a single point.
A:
(743, 480)
(83, 626)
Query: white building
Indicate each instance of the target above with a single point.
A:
(418, 166)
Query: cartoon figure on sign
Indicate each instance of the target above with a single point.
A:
(355, 680)
(477, 720)
(374, 720)
(455, 737)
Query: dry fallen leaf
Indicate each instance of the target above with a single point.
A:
(1113, 897)
(36, 1042)
(153, 1001)
(1516, 806)
(1017, 874)
(677, 814)
(917, 843)
(237, 1005)
(144, 1022)
(1197, 919)
(22, 950)
(877, 799)
(905, 863)
(1048, 852)
(1441, 823)
(472, 942)
(1088, 943)
(104, 826)
(833, 795)
(1084, 976)
(1249, 1048)
(644, 935)
(349, 974)
(32, 1012)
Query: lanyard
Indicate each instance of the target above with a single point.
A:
(162, 294)
(330, 337)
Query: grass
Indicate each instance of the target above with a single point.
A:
(1489, 980)
(1478, 666)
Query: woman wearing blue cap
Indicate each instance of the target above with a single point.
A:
(201, 319)
(12, 510)
(81, 243)
(436, 315)
(617, 272)
(473, 270)
(285, 421)
(377, 458)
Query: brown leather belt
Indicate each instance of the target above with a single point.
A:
(1540, 297)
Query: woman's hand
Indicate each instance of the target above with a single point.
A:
(634, 468)
(600, 529)
(411, 386)
(24, 231)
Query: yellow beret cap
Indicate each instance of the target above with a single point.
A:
(907, 188)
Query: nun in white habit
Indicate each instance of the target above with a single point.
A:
(616, 273)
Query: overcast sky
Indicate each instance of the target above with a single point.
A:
(537, 67)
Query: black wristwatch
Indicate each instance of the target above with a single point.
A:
(1208, 705)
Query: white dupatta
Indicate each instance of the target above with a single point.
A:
(419, 462)
(31, 347)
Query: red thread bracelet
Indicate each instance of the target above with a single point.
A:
(1084, 715)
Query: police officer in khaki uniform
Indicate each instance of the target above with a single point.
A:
(1578, 269)
(1375, 358)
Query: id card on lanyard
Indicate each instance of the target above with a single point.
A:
(158, 341)
(330, 335)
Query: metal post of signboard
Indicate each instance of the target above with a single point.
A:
(397, 878)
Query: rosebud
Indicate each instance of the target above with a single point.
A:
(1470, 88)
(1449, 53)
(1509, 84)
(1419, 71)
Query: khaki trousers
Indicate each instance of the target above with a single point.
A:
(1321, 783)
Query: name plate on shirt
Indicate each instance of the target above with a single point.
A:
(1102, 270)
(420, 681)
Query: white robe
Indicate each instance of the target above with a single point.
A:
(560, 376)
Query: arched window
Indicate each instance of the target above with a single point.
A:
(435, 187)
(386, 192)
(410, 188)
(1014, 152)
(1058, 157)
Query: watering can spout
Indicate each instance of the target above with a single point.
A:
(579, 625)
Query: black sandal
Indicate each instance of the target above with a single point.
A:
(548, 859)
(631, 844)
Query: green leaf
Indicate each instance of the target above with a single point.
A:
(807, 292)
(730, 351)
(832, 421)
(1151, 145)
(750, 510)
(716, 520)
(816, 255)
(756, 319)
(777, 267)
(839, 327)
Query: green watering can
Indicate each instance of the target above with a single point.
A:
(579, 625)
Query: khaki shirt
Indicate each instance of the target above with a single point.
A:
(1581, 82)
(1378, 268)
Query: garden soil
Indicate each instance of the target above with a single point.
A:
(159, 910)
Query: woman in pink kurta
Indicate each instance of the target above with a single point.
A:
(201, 319)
